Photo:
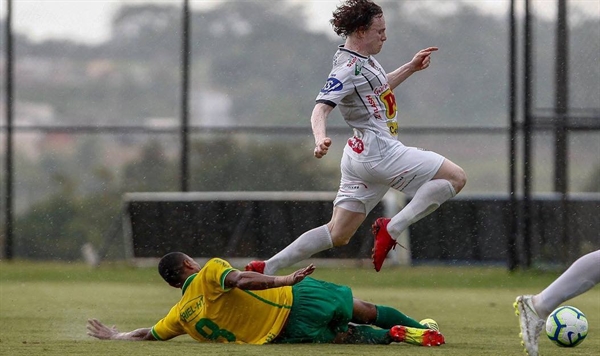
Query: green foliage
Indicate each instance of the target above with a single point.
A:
(152, 172)
(259, 166)
(78, 211)
(58, 227)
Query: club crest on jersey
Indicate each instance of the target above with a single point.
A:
(332, 84)
(356, 144)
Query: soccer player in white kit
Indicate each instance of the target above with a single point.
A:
(373, 159)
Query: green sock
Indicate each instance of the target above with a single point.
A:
(365, 334)
(388, 317)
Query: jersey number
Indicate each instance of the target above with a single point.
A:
(210, 330)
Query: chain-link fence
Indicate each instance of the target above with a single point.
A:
(136, 112)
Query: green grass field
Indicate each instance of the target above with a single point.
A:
(44, 308)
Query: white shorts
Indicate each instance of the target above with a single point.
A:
(405, 169)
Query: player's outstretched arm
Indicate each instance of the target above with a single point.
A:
(100, 331)
(257, 281)
(420, 61)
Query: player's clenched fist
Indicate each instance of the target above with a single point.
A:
(322, 147)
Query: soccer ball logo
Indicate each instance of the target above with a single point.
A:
(567, 326)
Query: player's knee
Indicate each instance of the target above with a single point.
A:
(340, 239)
(453, 173)
(459, 179)
(363, 312)
(341, 235)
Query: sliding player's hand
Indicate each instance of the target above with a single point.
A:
(100, 331)
(297, 276)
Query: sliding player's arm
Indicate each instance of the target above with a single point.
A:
(103, 332)
(255, 281)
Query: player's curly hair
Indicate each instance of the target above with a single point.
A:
(354, 15)
(170, 267)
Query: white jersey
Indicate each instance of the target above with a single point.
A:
(359, 85)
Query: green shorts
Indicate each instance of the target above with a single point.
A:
(319, 312)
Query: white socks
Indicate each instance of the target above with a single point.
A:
(426, 200)
(581, 276)
(309, 243)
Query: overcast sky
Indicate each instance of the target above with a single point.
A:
(89, 20)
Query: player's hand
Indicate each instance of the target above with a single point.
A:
(322, 147)
(303, 272)
(298, 276)
(100, 331)
(422, 59)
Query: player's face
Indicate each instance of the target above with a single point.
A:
(375, 35)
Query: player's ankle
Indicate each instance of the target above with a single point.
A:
(537, 307)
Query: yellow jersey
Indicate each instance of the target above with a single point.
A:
(209, 312)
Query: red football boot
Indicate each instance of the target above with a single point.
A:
(383, 242)
(256, 266)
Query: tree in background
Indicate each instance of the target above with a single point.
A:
(277, 165)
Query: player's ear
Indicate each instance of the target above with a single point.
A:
(360, 32)
(190, 264)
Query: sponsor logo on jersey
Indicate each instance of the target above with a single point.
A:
(332, 84)
(381, 89)
(356, 144)
(358, 64)
(191, 308)
(389, 101)
(373, 102)
(351, 61)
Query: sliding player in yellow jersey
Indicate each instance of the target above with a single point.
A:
(222, 304)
